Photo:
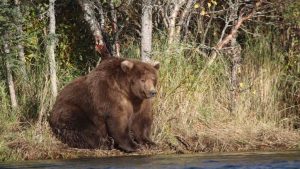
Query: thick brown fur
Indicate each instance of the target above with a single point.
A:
(113, 100)
(142, 123)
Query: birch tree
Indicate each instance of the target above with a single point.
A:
(51, 48)
(7, 29)
(88, 7)
(184, 17)
(10, 81)
(175, 15)
(172, 19)
(20, 45)
(115, 29)
(146, 43)
(235, 55)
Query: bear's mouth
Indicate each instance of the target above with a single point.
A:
(145, 95)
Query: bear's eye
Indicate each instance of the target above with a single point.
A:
(143, 80)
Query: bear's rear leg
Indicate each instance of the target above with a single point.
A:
(71, 125)
(89, 138)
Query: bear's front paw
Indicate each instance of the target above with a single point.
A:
(128, 149)
(149, 142)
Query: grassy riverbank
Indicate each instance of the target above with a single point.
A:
(193, 108)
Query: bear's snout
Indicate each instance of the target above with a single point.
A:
(152, 93)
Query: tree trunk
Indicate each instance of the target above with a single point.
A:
(98, 6)
(235, 67)
(186, 27)
(20, 45)
(235, 52)
(11, 86)
(116, 46)
(90, 18)
(146, 43)
(184, 17)
(51, 48)
(172, 21)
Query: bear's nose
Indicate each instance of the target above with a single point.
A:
(153, 93)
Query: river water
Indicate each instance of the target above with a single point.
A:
(254, 160)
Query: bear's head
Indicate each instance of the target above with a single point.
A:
(142, 77)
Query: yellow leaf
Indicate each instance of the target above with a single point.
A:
(197, 5)
(209, 4)
(203, 12)
(214, 2)
(241, 85)
(239, 70)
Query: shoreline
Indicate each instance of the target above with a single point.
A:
(94, 154)
(52, 149)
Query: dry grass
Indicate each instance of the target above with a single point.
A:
(192, 111)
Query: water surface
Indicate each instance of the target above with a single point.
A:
(255, 160)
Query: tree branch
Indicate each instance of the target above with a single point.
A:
(229, 37)
(234, 30)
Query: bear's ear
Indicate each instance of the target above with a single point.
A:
(156, 65)
(126, 65)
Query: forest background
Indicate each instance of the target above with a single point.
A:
(229, 77)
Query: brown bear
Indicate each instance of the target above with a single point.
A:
(142, 122)
(112, 101)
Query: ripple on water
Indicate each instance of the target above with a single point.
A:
(285, 160)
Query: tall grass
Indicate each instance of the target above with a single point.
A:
(192, 110)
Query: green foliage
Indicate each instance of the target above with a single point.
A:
(292, 13)
(7, 28)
